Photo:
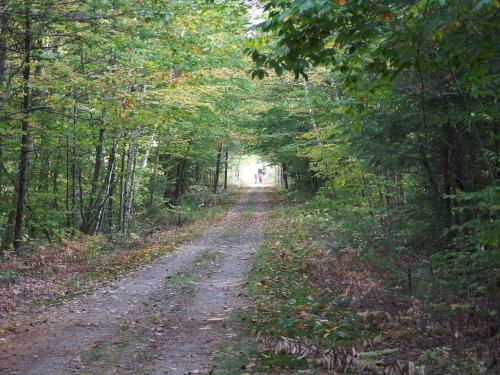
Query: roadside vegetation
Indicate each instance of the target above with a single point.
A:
(322, 303)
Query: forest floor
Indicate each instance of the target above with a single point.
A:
(317, 306)
(193, 300)
(168, 317)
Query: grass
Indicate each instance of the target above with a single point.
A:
(9, 276)
(231, 359)
(146, 357)
(104, 356)
(291, 302)
(204, 258)
(58, 299)
(246, 359)
(286, 301)
(186, 281)
(98, 351)
(231, 232)
(250, 207)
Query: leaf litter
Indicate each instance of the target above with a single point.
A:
(139, 323)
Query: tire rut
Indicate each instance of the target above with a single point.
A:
(166, 318)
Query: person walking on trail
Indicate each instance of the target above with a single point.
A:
(256, 178)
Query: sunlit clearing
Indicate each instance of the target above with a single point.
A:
(252, 171)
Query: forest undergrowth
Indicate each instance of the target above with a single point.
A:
(321, 305)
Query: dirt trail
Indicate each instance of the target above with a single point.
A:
(166, 318)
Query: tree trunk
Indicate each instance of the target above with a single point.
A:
(55, 174)
(4, 25)
(124, 189)
(122, 186)
(145, 159)
(367, 194)
(184, 174)
(311, 115)
(68, 215)
(166, 187)
(178, 181)
(106, 191)
(73, 174)
(197, 175)
(43, 185)
(88, 220)
(97, 167)
(1, 163)
(25, 140)
(130, 196)
(217, 167)
(285, 175)
(475, 131)
(313, 180)
(422, 138)
(238, 170)
(129, 184)
(111, 199)
(446, 166)
(152, 180)
(226, 159)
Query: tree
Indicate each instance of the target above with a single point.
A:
(408, 127)
(102, 101)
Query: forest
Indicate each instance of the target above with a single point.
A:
(124, 120)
